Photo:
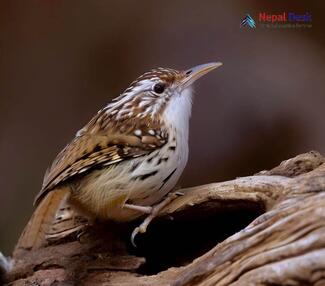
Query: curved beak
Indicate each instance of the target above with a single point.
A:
(191, 75)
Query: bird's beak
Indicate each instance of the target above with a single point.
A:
(191, 75)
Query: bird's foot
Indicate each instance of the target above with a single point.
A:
(155, 211)
(83, 233)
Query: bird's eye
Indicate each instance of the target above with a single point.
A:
(159, 88)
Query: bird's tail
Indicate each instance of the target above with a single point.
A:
(54, 218)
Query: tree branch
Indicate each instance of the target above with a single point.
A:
(259, 230)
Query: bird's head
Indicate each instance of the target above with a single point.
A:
(152, 92)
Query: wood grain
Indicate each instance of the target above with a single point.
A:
(282, 244)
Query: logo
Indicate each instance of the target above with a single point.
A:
(285, 17)
(278, 20)
(248, 21)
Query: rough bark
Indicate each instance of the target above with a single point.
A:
(266, 229)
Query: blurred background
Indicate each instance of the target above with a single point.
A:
(61, 61)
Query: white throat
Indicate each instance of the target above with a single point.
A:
(178, 112)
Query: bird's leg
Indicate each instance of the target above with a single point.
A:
(155, 210)
(142, 209)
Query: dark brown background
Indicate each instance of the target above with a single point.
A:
(60, 61)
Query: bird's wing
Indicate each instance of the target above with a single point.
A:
(102, 143)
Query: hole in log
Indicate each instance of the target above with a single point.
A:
(191, 233)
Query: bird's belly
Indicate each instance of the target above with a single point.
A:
(142, 181)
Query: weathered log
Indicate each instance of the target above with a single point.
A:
(266, 229)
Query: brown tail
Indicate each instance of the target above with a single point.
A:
(52, 219)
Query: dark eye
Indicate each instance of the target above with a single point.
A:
(159, 88)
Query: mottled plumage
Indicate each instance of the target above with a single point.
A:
(132, 152)
(101, 143)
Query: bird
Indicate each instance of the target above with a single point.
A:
(125, 162)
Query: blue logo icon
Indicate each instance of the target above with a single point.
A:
(248, 21)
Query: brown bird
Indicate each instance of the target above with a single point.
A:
(130, 155)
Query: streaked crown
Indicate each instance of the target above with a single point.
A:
(150, 93)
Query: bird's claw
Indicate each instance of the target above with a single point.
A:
(82, 234)
(178, 194)
(133, 235)
(140, 229)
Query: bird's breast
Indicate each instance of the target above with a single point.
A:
(159, 172)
